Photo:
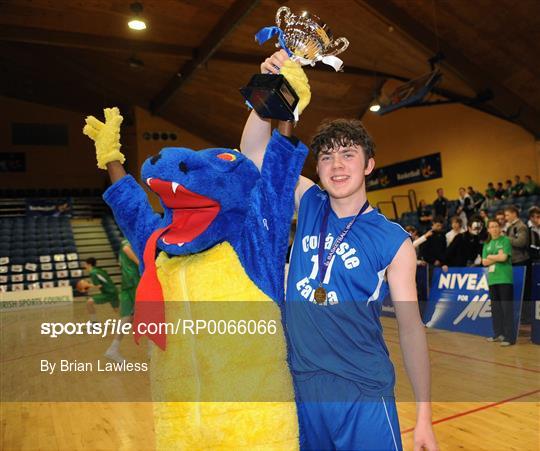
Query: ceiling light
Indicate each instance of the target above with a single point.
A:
(136, 22)
(374, 107)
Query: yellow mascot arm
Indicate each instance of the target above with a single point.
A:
(106, 137)
(297, 78)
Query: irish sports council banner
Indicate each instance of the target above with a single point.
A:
(459, 300)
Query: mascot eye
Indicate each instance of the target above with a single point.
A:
(227, 156)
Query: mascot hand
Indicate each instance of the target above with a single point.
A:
(296, 77)
(106, 137)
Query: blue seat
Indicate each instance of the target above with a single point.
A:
(30, 248)
(31, 259)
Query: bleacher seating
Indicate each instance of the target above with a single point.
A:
(522, 203)
(37, 252)
(80, 207)
(113, 233)
(40, 251)
(410, 218)
(50, 192)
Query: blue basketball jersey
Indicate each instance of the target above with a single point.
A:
(344, 335)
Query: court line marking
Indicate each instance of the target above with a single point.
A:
(478, 409)
(463, 356)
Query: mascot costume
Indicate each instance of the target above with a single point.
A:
(219, 247)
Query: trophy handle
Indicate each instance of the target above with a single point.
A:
(337, 46)
(279, 14)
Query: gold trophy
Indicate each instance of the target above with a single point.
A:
(307, 39)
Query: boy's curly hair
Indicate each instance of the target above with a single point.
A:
(332, 134)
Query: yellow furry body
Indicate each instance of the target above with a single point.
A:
(231, 391)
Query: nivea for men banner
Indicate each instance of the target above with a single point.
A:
(459, 300)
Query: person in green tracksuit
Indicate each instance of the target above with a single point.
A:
(108, 292)
(129, 266)
(497, 256)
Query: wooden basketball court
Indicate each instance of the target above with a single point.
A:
(484, 397)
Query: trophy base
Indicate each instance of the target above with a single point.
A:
(271, 96)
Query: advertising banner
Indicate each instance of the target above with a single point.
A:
(410, 171)
(459, 300)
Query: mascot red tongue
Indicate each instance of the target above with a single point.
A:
(191, 216)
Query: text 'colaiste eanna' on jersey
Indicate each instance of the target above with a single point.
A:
(344, 335)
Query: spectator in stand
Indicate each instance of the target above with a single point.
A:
(466, 248)
(440, 205)
(517, 189)
(434, 249)
(465, 207)
(418, 239)
(534, 234)
(508, 189)
(425, 216)
(483, 215)
(499, 192)
(480, 229)
(477, 198)
(501, 219)
(518, 233)
(413, 232)
(490, 195)
(456, 228)
(496, 255)
(530, 187)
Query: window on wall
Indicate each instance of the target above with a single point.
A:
(26, 134)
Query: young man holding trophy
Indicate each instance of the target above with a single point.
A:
(345, 258)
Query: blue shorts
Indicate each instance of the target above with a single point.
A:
(329, 421)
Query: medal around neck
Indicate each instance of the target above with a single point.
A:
(320, 295)
(307, 40)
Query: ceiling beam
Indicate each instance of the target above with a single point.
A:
(228, 22)
(508, 104)
(69, 39)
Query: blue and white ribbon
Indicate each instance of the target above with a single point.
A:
(266, 33)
